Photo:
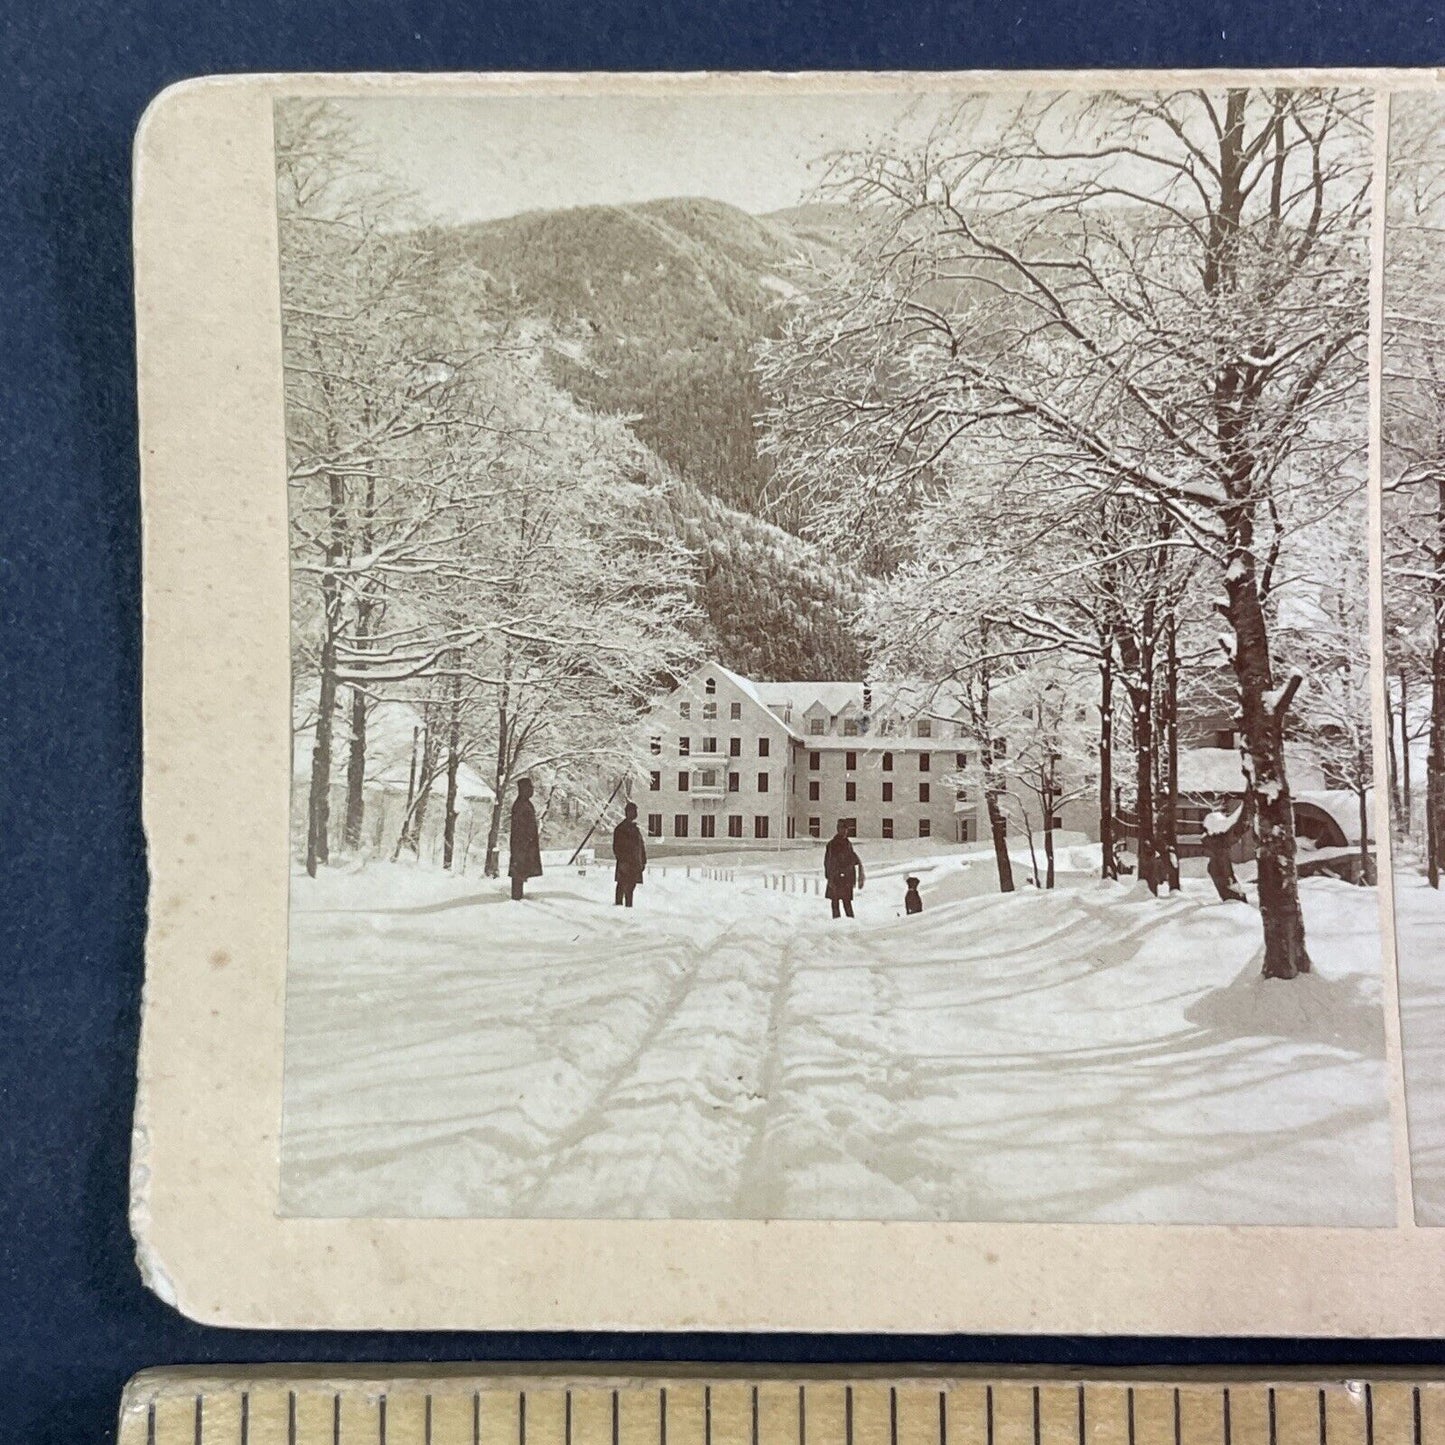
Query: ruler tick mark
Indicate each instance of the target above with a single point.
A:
(1273, 1424)
(151, 1424)
(245, 1417)
(662, 1416)
(943, 1417)
(707, 1415)
(1083, 1432)
(1129, 1412)
(426, 1422)
(1178, 1421)
(892, 1416)
(848, 1415)
(616, 1420)
(1369, 1415)
(522, 1419)
(755, 1415)
(566, 1420)
(1324, 1429)
(1228, 1424)
(802, 1417)
(291, 1417)
(1038, 1423)
(1415, 1394)
(336, 1418)
(381, 1419)
(988, 1415)
(477, 1415)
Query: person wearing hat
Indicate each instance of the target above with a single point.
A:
(912, 898)
(525, 845)
(630, 853)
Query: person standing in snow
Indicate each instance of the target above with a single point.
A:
(630, 853)
(842, 866)
(526, 848)
(1220, 835)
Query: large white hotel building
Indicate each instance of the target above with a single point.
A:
(737, 762)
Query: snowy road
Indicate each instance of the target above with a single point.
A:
(726, 1050)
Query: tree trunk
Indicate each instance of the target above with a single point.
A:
(1106, 764)
(998, 828)
(1407, 803)
(1435, 756)
(1142, 719)
(500, 778)
(1367, 872)
(318, 803)
(356, 772)
(454, 760)
(1049, 839)
(1166, 748)
(1262, 713)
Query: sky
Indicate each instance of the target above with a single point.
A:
(481, 158)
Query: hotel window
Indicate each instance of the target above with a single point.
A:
(762, 747)
(815, 761)
(960, 761)
(813, 794)
(792, 828)
(656, 745)
(762, 782)
(735, 710)
(682, 782)
(924, 762)
(733, 782)
(850, 791)
(707, 825)
(850, 727)
(925, 828)
(887, 790)
(735, 825)
(679, 826)
(965, 830)
(850, 761)
(888, 827)
(684, 709)
(887, 762)
(707, 778)
(735, 747)
(925, 727)
(709, 710)
(654, 825)
(709, 745)
(655, 784)
(815, 827)
(923, 792)
(684, 747)
(760, 826)
(850, 826)
(816, 727)
(961, 796)
(710, 686)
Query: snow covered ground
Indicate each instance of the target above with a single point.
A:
(726, 1050)
(1420, 934)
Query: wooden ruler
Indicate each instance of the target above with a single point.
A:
(442, 1407)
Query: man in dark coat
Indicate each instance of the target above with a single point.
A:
(526, 847)
(630, 853)
(842, 866)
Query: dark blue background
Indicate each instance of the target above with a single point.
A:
(74, 77)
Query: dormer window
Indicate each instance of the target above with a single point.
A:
(684, 709)
(816, 727)
(850, 727)
(710, 686)
(925, 727)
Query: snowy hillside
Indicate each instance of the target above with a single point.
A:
(726, 1050)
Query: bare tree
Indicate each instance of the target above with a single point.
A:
(1171, 288)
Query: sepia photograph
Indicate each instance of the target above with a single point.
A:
(1413, 514)
(831, 655)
